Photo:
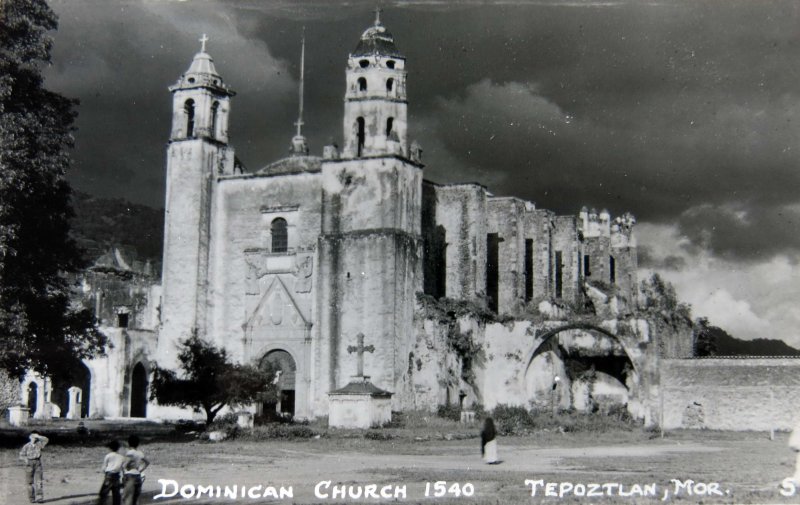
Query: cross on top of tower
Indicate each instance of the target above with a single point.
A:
(359, 350)
(203, 41)
(378, 15)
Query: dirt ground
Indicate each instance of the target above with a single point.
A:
(627, 467)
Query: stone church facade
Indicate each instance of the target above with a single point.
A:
(289, 263)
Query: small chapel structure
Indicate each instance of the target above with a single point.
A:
(288, 264)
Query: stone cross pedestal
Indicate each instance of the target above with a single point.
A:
(360, 404)
(359, 350)
(74, 406)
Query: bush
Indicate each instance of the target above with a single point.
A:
(280, 431)
(510, 419)
(452, 412)
(378, 435)
(517, 420)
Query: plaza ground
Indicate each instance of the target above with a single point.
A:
(746, 468)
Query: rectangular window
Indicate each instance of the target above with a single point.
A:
(122, 320)
(492, 269)
(528, 269)
(587, 265)
(559, 274)
(612, 270)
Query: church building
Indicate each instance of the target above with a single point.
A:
(289, 263)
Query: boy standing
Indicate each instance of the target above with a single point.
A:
(31, 456)
(135, 464)
(112, 467)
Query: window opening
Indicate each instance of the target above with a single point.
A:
(362, 84)
(492, 269)
(559, 275)
(214, 112)
(612, 269)
(280, 235)
(389, 124)
(528, 269)
(389, 84)
(188, 108)
(360, 136)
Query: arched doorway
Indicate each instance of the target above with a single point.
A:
(280, 361)
(78, 375)
(33, 397)
(582, 367)
(138, 391)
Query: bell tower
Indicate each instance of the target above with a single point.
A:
(370, 250)
(198, 152)
(375, 105)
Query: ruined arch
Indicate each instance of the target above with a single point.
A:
(286, 364)
(591, 369)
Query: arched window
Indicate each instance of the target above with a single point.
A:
(389, 124)
(188, 108)
(389, 84)
(390, 63)
(360, 135)
(214, 113)
(362, 84)
(280, 235)
(364, 63)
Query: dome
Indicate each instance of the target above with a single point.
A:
(202, 64)
(376, 40)
(202, 72)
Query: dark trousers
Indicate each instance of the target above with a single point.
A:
(110, 485)
(132, 488)
(34, 477)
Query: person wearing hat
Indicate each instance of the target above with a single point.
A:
(31, 457)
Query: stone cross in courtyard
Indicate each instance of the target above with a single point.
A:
(360, 349)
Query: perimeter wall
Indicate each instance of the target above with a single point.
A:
(730, 393)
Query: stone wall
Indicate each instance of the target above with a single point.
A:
(515, 371)
(731, 394)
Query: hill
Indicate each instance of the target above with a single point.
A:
(724, 344)
(101, 224)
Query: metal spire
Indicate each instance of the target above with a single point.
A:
(299, 122)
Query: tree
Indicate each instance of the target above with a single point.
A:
(705, 343)
(209, 381)
(659, 299)
(40, 328)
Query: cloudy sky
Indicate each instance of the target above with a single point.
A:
(685, 113)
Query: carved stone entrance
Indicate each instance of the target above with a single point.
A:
(283, 362)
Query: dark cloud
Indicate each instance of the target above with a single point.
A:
(745, 232)
(680, 112)
(650, 261)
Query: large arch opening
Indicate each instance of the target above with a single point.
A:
(580, 367)
(138, 391)
(285, 368)
(78, 376)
